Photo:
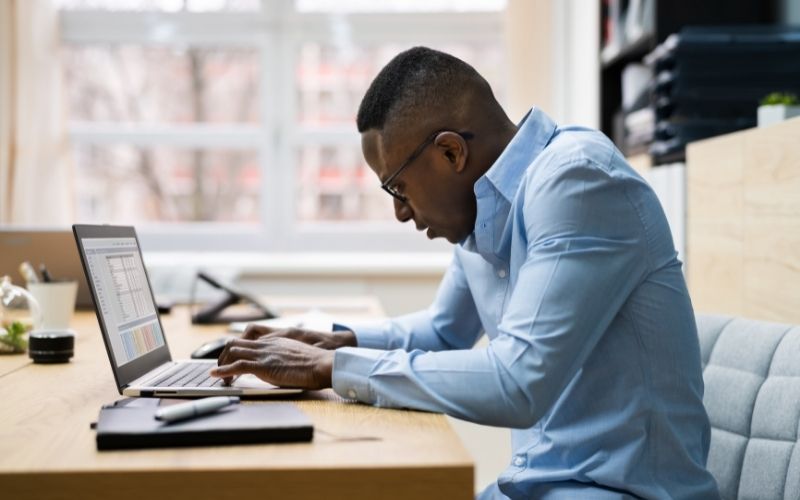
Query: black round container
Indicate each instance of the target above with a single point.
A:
(51, 346)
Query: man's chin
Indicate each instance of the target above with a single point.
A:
(451, 239)
(432, 235)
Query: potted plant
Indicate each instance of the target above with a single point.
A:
(776, 107)
(12, 338)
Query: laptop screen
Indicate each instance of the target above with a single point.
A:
(123, 297)
(126, 310)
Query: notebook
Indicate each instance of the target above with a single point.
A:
(131, 424)
(135, 340)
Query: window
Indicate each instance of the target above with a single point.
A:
(230, 124)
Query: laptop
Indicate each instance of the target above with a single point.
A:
(134, 337)
(55, 248)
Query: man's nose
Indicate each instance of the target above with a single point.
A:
(402, 211)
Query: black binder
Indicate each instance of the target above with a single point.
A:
(133, 426)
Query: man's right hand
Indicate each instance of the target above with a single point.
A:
(323, 340)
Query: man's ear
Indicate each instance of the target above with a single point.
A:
(454, 149)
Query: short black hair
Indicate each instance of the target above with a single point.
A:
(417, 79)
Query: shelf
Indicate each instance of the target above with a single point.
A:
(630, 52)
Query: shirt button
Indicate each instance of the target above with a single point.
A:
(501, 273)
(519, 461)
(351, 394)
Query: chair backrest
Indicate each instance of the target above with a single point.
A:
(751, 371)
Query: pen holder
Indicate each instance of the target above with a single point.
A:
(56, 302)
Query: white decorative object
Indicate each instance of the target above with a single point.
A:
(775, 113)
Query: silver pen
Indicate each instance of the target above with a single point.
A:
(191, 409)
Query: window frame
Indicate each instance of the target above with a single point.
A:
(276, 32)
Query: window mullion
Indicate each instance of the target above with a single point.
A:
(277, 108)
(240, 137)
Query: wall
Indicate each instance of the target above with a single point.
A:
(553, 63)
(530, 55)
(575, 44)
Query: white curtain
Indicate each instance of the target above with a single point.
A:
(36, 181)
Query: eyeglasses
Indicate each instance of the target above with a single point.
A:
(387, 184)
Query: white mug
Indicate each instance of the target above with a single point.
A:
(56, 303)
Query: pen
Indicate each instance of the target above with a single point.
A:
(193, 409)
(45, 273)
(27, 272)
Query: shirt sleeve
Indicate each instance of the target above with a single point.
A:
(585, 253)
(451, 322)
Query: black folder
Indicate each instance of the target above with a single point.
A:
(133, 426)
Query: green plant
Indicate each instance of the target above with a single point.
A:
(776, 98)
(14, 338)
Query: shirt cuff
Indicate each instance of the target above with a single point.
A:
(369, 335)
(351, 369)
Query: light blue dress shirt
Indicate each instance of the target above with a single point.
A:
(593, 357)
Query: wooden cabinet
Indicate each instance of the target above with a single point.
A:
(743, 231)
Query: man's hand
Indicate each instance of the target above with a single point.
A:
(278, 360)
(323, 340)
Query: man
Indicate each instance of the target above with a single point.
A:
(563, 258)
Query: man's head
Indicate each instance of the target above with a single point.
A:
(430, 127)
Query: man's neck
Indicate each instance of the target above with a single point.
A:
(496, 143)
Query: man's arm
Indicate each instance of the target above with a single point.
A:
(296, 357)
(451, 322)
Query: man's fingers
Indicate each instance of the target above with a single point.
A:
(253, 332)
(236, 353)
(251, 344)
(237, 349)
(310, 337)
(236, 368)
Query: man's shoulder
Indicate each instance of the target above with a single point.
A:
(573, 149)
(578, 146)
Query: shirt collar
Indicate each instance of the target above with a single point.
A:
(534, 132)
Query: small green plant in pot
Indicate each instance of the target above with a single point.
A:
(777, 107)
(12, 338)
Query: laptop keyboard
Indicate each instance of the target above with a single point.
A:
(187, 375)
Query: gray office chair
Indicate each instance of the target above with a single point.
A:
(752, 394)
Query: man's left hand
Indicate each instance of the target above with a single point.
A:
(280, 361)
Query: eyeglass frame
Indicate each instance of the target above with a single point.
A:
(386, 185)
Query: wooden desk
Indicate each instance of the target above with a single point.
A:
(47, 449)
